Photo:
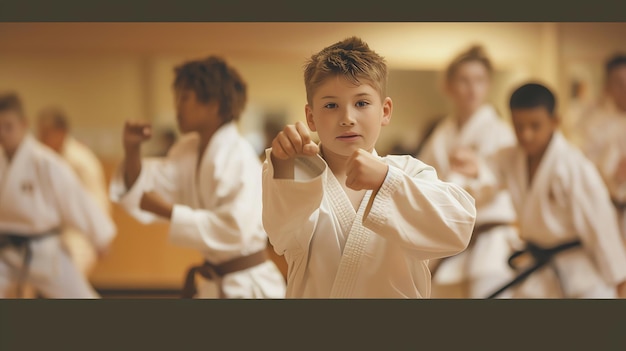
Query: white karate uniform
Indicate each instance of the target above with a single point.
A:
(566, 201)
(484, 265)
(217, 208)
(40, 193)
(333, 251)
(89, 170)
(587, 133)
(605, 144)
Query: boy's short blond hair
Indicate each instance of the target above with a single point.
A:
(351, 58)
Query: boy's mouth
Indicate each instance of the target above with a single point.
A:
(349, 136)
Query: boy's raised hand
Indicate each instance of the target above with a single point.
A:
(292, 141)
(136, 132)
(365, 171)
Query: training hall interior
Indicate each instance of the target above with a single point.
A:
(102, 74)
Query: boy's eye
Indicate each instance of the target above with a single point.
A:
(362, 103)
(330, 105)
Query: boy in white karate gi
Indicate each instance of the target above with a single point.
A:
(604, 136)
(208, 186)
(40, 195)
(564, 209)
(352, 224)
(54, 132)
(475, 124)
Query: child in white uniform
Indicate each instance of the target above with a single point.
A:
(352, 224)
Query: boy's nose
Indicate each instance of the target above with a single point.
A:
(346, 119)
(527, 136)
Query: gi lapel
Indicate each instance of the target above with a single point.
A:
(356, 241)
(540, 185)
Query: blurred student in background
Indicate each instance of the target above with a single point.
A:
(208, 186)
(472, 124)
(604, 135)
(39, 196)
(573, 246)
(54, 131)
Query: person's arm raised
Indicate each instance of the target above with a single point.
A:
(292, 141)
(135, 132)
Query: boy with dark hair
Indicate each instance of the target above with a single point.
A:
(563, 207)
(39, 195)
(352, 224)
(208, 186)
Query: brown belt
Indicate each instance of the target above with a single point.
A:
(619, 205)
(475, 233)
(22, 242)
(216, 272)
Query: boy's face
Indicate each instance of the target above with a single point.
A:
(192, 114)
(347, 117)
(468, 87)
(616, 86)
(534, 128)
(51, 136)
(12, 130)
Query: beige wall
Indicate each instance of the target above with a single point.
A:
(106, 73)
(105, 80)
(98, 92)
(584, 49)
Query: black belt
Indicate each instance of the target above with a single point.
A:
(542, 257)
(22, 242)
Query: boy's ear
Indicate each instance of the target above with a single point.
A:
(387, 110)
(308, 111)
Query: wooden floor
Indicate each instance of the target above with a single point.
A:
(140, 294)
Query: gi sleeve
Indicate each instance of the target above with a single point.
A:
(427, 216)
(596, 222)
(290, 206)
(157, 174)
(78, 208)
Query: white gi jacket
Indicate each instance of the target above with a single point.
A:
(567, 200)
(336, 252)
(217, 207)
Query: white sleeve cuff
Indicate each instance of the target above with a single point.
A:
(182, 226)
(130, 199)
(383, 201)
